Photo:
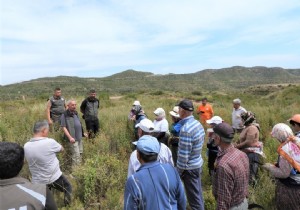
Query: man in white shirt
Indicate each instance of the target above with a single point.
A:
(146, 127)
(237, 123)
(40, 153)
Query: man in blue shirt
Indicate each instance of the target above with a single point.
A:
(189, 162)
(154, 185)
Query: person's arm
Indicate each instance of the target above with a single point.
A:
(181, 201)
(224, 189)
(131, 201)
(68, 135)
(184, 150)
(48, 112)
(211, 111)
(281, 172)
(83, 106)
(50, 203)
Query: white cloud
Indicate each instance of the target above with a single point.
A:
(64, 37)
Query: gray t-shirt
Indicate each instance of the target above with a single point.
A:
(40, 153)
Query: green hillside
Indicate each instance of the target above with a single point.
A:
(234, 79)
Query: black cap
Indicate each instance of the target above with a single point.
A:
(186, 105)
(224, 130)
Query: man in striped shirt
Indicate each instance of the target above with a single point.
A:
(189, 162)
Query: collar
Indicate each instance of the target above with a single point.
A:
(227, 150)
(71, 114)
(184, 120)
(148, 165)
(37, 138)
(12, 181)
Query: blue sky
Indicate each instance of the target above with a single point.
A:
(93, 38)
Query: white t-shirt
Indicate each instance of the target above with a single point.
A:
(40, 153)
(161, 126)
(236, 117)
(164, 156)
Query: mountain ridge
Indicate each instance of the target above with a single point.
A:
(236, 78)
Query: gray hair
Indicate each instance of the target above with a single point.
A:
(40, 125)
(237, 101)
(69, 101)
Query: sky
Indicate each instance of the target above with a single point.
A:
(97, 38)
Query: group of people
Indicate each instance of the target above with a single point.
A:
(152, 184)
(164, 171)
(40, 153)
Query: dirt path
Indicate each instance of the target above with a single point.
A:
(115, 97)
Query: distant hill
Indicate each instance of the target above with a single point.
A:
(236, 78)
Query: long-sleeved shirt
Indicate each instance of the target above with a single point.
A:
(231, 178)
(154, 186)
(191, 139)
(164, 156)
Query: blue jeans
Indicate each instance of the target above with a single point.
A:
(193, 189)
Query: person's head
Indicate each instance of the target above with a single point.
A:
(223, 134)
(281, 132)
(215, 120)
(136, 107)
(236, 103)
(57, 92)
(147, 149)
(92, 93)
(186, 108)
(159, 113)
(175, 114)
(41, 128)
(71, 104)
(295, 122)
(11, 159)
(136, 103)
(204, 101)
(145, 127)
(248, 118)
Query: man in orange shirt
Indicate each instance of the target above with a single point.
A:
(205, 111)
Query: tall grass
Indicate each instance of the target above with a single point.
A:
(99, 182)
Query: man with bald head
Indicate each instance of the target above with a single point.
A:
(73, 133)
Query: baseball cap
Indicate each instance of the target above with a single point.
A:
(148, 145)
(186, 105)
(175, 111)
(225, 131)
(214, 120)
(146, 125)
(136, 103)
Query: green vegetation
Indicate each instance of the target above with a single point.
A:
(234, 79)
(99, 182)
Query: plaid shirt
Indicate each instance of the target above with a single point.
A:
(231, 178)
(191, 138)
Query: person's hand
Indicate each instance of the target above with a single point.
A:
(85, 135)
(72, 140)
(292, 138)
(268, 165)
